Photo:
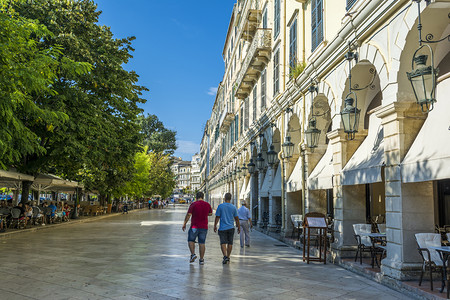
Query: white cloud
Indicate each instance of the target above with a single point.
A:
(188, 147)
(212, 91)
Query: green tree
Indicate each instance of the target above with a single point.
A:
(158, 138)
(97, 144)
(28, 71)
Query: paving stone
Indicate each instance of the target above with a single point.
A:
(144, 255)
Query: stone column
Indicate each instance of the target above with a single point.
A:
(409, 207)
(253, 194)
(272, 223)
(349, 208)
(260, 208)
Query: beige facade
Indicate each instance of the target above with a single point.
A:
(392, 170)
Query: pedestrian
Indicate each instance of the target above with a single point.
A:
(245, 220)
(227, 214)
(199, 211)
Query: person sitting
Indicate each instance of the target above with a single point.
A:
(66, 211)
(28, 213)
(22, 216)
(53, 214)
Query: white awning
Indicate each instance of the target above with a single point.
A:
(429, 156)
(294, 182)
(54, 183)
(276, 186)
(264, 192)
(322, 175)
(11, 179)
(247, 190)
(365, 164)
(243, 188)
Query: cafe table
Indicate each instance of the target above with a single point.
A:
(444, 252)
(377, 240)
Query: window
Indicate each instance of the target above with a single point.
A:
(316, 23)
(241, 127)
(263, 89)
(264, 18)
(246, 112)
(236, 127)
(254, 103)
(350, 4)
(276, 18)
(276, 72)
(293, 44)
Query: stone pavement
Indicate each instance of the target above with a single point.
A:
(144, 255)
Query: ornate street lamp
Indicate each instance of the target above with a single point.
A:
(260, 162)
(350, 113)
(251, 167)
(423, 77)
(288, 148)
(244, 170)
(271, 155)
(312, 133)
(423, 80)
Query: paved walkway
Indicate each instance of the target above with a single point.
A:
(144, 255)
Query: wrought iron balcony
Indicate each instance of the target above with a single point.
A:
(226, 118)
(255, 61)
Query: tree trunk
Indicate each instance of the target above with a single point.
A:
(25, 191)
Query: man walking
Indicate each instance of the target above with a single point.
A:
(246, 221)
(199, 210)
(227, 214)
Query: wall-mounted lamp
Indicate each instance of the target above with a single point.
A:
(423, 76)
(312, 133)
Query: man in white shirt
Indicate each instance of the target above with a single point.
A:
(245, 220)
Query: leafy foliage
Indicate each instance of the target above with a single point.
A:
(98, 143)
(156, 136)
(28, 72)
(297, 69)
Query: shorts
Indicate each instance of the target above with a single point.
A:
(193, 233)
(226, 236)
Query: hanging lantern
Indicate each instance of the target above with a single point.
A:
(312, 134)
(244, 170)
(260, 162)
(423, 80)
(271, 155)
(251, 167)
(350, 116)
(288, 147)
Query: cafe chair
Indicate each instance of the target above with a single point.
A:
(430, 257)
(297, 222)
(363, 241)
(381, 228)
(16, 219)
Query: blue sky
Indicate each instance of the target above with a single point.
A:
(178, 56)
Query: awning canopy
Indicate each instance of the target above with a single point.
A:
(242, 192)
(11, 179)
(276, 185)
(294, 182)
(321, 177)
(54, 183)
(365, 164)
(429, 156)
(264, 192)
(247, 190)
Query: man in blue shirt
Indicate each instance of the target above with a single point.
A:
(245, 220)
(227, 214)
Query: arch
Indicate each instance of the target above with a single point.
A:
(294, 130)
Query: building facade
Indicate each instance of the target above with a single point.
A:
(195, 173)
(182, 172)
(296, 67)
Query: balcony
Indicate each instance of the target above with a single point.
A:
(226, 119)
(251, 17)
(257, 58)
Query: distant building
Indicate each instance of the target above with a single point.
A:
(195, 173)
(182, 172)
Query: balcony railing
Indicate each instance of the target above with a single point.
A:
(255, 61)
(226, 118)
(250, 15)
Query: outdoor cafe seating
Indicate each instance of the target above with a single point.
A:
(370, 242)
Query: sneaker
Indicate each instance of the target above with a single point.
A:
(201, 261)
(247, 245)
(225, 260)
(193, 258)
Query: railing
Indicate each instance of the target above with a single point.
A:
(249, 9)
(226, 118)
(261, 48)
